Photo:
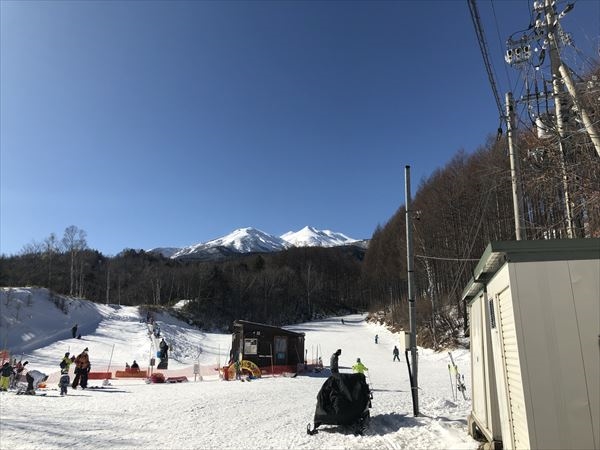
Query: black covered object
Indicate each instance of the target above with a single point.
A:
(344, 399)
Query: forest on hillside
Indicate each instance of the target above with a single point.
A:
(456, 211)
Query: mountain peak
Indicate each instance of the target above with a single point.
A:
(311, 237)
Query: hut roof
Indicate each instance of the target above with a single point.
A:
(264, 327)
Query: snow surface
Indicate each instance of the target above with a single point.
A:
(271, 412)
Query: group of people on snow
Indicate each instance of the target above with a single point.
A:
(12, 373)
(359, 367)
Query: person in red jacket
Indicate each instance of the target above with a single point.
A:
(82, 369)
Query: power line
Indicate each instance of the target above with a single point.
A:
(484, 54)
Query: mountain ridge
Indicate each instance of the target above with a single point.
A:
(253, 240)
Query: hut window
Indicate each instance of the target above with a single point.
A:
(250, 346)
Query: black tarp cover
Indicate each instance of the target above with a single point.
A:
(342, 400)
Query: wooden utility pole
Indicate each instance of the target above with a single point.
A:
(558, 90)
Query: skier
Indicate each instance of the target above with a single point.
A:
(396, 353)
(376, 338)
(74, 331)
(359, 367)
(64, 381)
(333, 363)
(5, 374)
(82, 368)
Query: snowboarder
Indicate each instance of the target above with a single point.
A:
(376, 338)
(333, 363)
(82, 369)
(396, 354)
(74, 331)
(64, 381)
(359, 367)
(5, 374)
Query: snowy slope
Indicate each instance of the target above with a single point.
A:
(311, 237)
(271, 412)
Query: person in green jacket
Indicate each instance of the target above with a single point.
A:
(359, 367)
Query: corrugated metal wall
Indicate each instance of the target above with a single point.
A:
(512, 366)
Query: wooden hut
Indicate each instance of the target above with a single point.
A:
(271, 349)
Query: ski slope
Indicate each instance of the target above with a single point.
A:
(271, 412)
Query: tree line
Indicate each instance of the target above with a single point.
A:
(276, 288)
(466, 204)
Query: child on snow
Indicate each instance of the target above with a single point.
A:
(64, 381)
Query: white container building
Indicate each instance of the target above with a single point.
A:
(534, 321)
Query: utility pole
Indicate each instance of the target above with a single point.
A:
(414, 385)
(558, 90)
(547, 32)
(515, 169)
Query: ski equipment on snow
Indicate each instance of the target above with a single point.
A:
(460, 379)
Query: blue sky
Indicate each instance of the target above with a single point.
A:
(156, 123)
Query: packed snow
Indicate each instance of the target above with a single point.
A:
(207, 412)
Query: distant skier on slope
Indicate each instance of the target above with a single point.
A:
(396, 354)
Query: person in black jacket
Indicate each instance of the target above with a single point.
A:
(396, 354)
(5, 373)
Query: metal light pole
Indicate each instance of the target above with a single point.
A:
(414, 385)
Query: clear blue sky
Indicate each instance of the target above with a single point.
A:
(169, 123)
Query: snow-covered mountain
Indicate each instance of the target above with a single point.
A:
(249, 240)
(311, 237)
(242, 240)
